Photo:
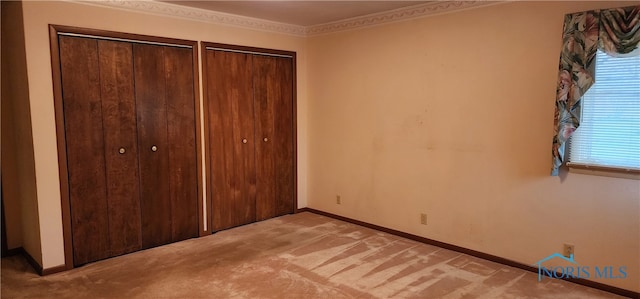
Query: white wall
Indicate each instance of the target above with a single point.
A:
(38, 16)
(452, 116)
(18, 170)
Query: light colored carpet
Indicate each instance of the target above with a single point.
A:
(296, 256)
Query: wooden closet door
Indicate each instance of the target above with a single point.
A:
(231, 138)
(284, 132)
(85, 148)
(181, 131)
(167, 141)
(273, 89)
(120, 147)
(100, 127)
(151, 106)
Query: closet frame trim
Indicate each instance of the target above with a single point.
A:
(54, 32)
(256, 51)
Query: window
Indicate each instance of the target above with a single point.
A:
(609, 132)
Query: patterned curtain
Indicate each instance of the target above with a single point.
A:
(614, 31)
(620, 31)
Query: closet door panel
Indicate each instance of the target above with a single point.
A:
(273, 83)
(151, 102)
(121, 149)
(265, 91)
(181, 118)
(85, 148)
(284, 150)
(231, 135)
(221, 136)
(245, 204)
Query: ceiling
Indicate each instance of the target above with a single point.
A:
(302, 13)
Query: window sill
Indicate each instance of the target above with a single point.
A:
(614, 172)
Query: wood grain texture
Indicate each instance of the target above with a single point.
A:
(273, 88)
(265, 85)
(284, 132)
(183, 177)
(230, 115)
(272, 166)
(85, 148)
(101, 71)
(295, 128)
(243, 124)
(151, 105)
(220, 138)
(119, 120)
(5, 249)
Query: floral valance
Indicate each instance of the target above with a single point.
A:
(615, 32)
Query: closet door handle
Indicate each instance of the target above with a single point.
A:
(154, 148)
(265, 139)
(244, 140)
(122, 150)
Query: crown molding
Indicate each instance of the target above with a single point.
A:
(396, 15)
(191, 13)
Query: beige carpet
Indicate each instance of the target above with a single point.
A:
(296, 256)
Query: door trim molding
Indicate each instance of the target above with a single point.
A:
(120, 39)
(54, 32)
(246, 49)
(249, 52)
(62, 149)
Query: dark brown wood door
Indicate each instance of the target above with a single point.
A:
(130, 130)
(284, 132)
(181, 136)
(231, 138)
(120, 148)
(250, 96)
(166, 138)
(100, 126)
(151, 106)
(85, 148)
(273, 98)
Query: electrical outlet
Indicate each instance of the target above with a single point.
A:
(567, 250)
(423, 219)
(338, 200)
